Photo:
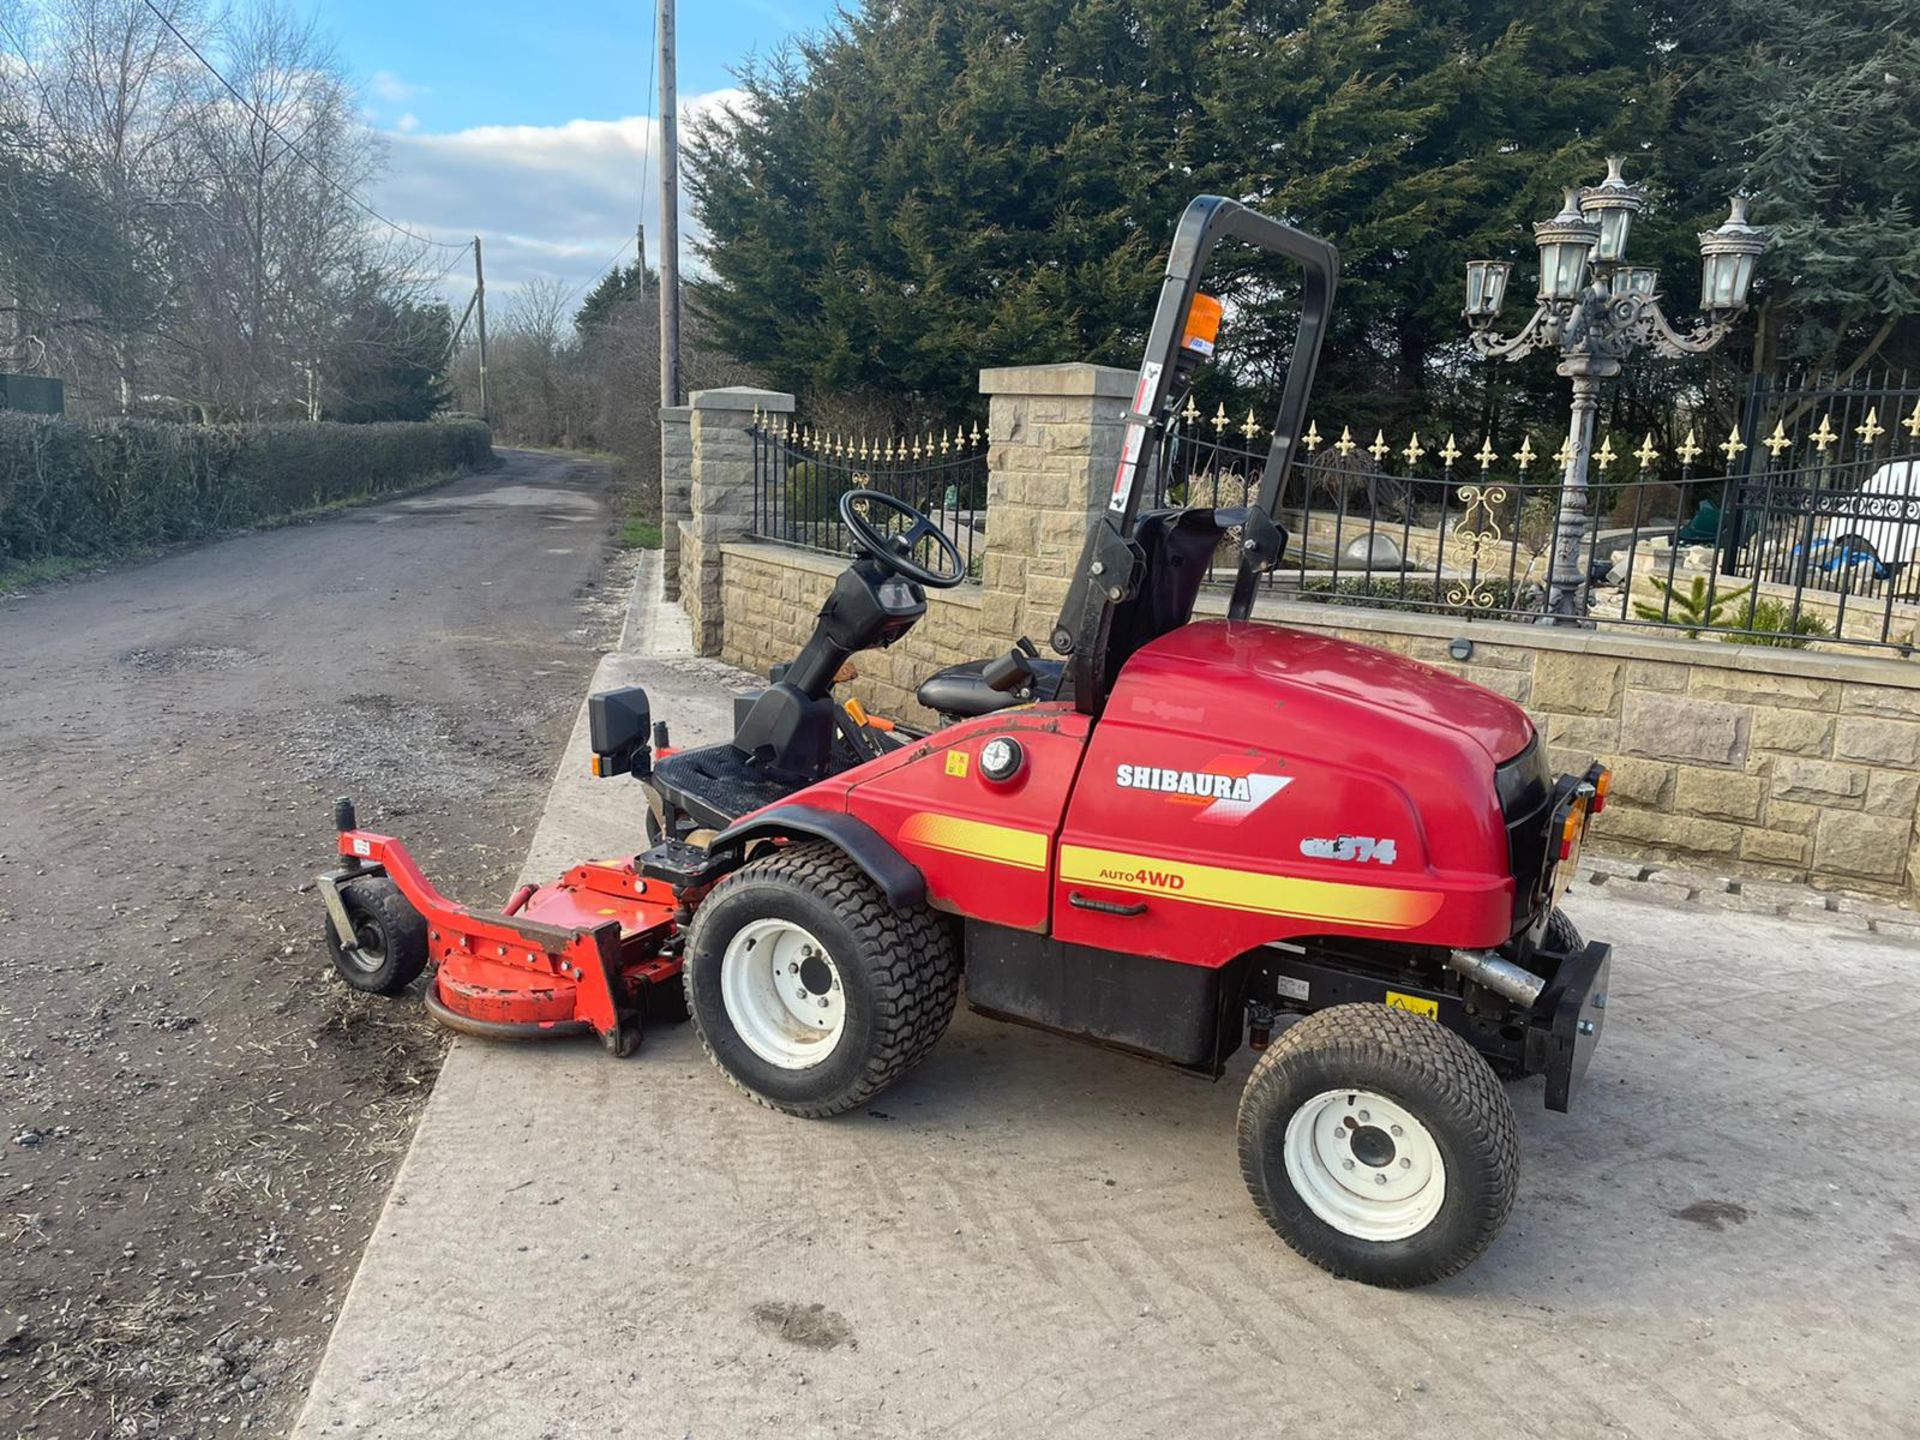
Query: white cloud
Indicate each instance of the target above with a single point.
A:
(407, 123)
(390, 88)
(550, 201)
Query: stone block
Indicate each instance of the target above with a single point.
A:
(1656, 675)
(1716, 793)
(1818, 782)
(1681, 727)
(1514, 684)
(1776, 847)
(1744, 687)
(1577, 684)
(1892, 702)
(1798, 732)
(1647, 783)
(1873, 847)
(1594, 734)
(1686, 833)
(1873, 741)
(1891, 793)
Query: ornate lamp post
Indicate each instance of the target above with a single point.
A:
(1596, 310)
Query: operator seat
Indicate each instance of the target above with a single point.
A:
(962, 691)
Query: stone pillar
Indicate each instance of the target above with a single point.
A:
(676, 485)
(1054, 436)
(720, 496)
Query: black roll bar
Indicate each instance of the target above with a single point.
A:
(1109, 572)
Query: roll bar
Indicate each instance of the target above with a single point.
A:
(1112, 564)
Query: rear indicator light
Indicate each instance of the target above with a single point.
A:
(1602, 783)
(1570, 828)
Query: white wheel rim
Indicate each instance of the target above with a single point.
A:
(783, 994)
(1365, 1165)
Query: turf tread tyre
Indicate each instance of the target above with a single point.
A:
(377, 900)
(1417, 1063)
(906, 961)
(1562, 936)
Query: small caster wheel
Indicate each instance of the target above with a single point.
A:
(625, 1037)
(392, 937)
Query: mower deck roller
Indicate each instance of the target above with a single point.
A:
(582, 955)
(1182, 837)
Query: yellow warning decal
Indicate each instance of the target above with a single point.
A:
(1003, 844)
(1384, 908)
(957, 763)
(1413, 1004)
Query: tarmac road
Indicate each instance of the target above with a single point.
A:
(200, 1124)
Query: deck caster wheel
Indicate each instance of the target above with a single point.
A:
(1378, 1145)
(392, 936)
(625, 1037)
(808, 988)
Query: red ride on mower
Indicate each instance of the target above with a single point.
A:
(1180, 837)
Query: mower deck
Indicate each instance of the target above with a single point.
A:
(580, 955)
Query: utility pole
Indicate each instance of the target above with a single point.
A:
(480, 305)
(640, 256)
(669, 216)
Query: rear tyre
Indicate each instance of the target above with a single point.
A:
(392, 934)
(808, 989)
(1378, 1145)
(1562, 938)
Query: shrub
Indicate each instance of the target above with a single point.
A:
(101, 488)
(1768, 621)
(814, 490)
(1488, 596)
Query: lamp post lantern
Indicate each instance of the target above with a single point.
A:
(1596, 310)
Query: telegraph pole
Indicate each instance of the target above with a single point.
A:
(480, 305)
(669, 216)
(640, 255)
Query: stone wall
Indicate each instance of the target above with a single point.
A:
(1751, 760)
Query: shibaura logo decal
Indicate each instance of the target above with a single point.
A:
(1226, 790)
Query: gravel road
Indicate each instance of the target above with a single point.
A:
(200, 1124)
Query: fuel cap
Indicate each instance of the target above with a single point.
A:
(1001, 758)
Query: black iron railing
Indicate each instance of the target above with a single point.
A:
(800, 473)
(1803, 527)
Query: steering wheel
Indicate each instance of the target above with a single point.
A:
(894, 549)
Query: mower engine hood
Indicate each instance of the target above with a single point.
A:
(1322, 670)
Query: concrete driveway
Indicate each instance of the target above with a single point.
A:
(1028, 1236)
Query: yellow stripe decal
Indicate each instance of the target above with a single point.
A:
(1003, 844)
(1247, 889)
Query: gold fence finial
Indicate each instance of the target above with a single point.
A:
(1824, 437)
(1732, 445)
(1414, 450)
(1689, 450)
(1873, 429)
(1345, 443)
(1379, 448)
(1777, 441)
(1647, 453)
(1912, 423)
(1604, 456)
(1523, 457)
(1450, 451)
(1220, 421)
(1313, 442)
(1487, 455)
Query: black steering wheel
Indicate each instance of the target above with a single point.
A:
(894, 549)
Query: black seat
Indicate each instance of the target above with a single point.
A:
(962, 692)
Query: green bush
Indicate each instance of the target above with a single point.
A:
(101, 488)
(1413, 593)
(814, 491)
(1769, 621)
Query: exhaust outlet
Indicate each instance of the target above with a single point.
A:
(1499, 975)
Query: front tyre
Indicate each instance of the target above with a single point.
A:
(808, 989)
(1378, 1145)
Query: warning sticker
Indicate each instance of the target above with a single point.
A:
(1414, 1004)
(957, 763)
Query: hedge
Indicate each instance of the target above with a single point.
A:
(96, 488)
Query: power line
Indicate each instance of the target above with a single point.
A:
(272, 130)
(653, 55)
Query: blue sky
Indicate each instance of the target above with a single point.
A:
(526, 123)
